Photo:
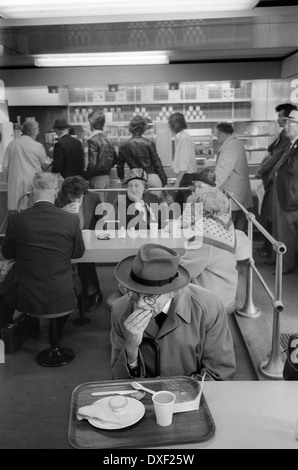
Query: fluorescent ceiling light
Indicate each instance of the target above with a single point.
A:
(16, 9)
(114, 58)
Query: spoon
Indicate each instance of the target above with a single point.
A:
(138, 386)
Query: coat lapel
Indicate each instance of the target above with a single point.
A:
(180, 310)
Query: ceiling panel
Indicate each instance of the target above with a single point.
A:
(271, 33)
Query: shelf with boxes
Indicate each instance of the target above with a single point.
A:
(198, 101)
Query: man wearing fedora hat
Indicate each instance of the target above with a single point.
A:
(194, 335)
(68, 156)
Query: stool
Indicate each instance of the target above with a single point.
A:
(56, 355)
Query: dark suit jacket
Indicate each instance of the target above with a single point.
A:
(69, 157)
(43, 240)
(287, 181)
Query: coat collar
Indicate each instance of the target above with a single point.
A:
(180, 310)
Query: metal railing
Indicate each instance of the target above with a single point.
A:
(273, 366)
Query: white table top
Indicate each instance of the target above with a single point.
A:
(116, 249)
(252, 415)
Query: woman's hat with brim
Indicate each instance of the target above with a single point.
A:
(207, 176)
(154, 270)
(136, 174)
(61, 124)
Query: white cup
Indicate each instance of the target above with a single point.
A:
(154, 230)
(86, 235)
(163, 402)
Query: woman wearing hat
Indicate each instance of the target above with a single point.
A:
(140, 152)
(68, 155)
(211, 255)
(194, 336)
(135, 210)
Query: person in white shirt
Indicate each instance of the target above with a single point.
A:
(185, 164)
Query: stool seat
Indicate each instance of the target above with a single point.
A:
(56, 355)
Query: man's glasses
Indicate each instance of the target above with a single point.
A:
(291, 124)
(149, 299)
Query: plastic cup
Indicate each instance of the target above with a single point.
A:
(154, 230)
(86, 235)
(163, 402)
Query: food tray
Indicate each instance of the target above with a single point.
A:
(187, 427)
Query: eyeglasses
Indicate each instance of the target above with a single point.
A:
(291, 124)
(149, 299)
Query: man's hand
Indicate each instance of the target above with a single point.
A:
(134, 327)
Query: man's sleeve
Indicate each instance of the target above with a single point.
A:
(218, 355)
(121, 163)
(79, 246)
(8, 246)
(58, 158)
(119, 364)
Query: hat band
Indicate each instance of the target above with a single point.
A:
(146, 282)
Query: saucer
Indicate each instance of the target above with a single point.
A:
(132, 413)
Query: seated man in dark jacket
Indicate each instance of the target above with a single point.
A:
(42, 240)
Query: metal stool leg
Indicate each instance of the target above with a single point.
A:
(56, 355)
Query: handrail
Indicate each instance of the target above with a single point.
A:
(273, 366)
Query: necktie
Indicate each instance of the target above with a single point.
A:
(160, 318)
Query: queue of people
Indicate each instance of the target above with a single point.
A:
(179, 303)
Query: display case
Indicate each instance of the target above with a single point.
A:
(203, 104)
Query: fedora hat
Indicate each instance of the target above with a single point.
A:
(61, 124)
(154, 270)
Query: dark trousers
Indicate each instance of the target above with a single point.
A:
(239, 220)
(181, 196)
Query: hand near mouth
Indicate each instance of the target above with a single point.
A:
(134, 327)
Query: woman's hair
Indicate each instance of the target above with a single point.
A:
(75, 186)
(177, 122)
(138, 125)
(214, 201)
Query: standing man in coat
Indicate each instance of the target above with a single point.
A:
(285, 195)
(102, 155)
(188, 324)
(232, 172)
(68, 156)
(275, 151)
(42, 240)
(23, 158)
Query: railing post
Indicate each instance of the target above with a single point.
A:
(249, 309)
(273, 366)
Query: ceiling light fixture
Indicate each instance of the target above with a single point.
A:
(114, 58)
(17, 9)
